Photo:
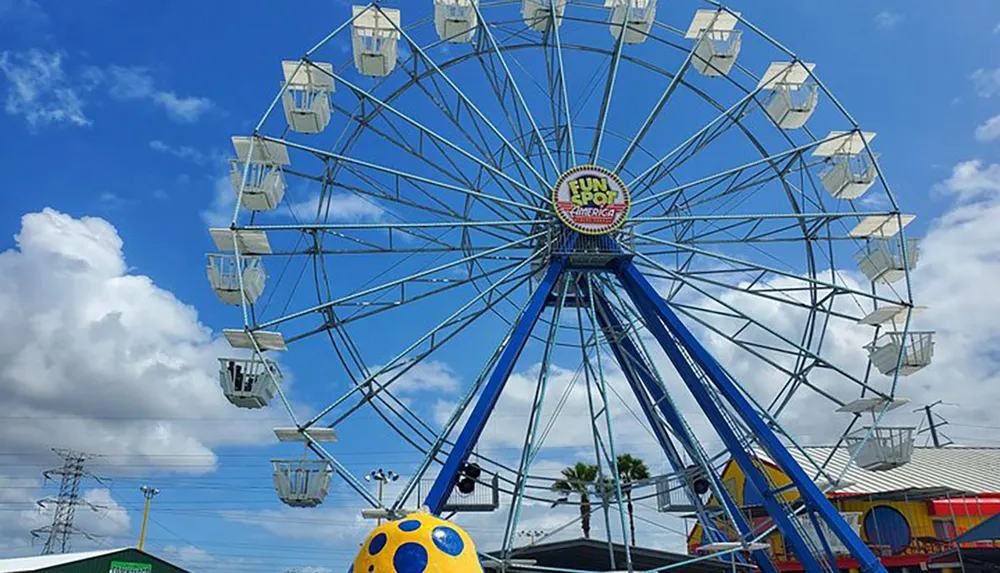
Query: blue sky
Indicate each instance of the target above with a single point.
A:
(117, 117)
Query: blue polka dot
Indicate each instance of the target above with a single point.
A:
(410, 525)
(350, 568)
(371, 568)
(377, 543)
(448, 540)
(410, 558)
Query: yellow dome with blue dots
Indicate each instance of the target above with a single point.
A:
(418, 543)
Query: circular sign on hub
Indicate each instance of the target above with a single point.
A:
(591, 200)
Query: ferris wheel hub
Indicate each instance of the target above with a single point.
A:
(591, 200)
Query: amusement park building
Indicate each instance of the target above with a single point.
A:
(106, 561)
(940, 511)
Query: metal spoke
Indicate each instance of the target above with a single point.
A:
(447, 322)
(592, 417)
(390, 284)
(517, 90)
(510, 147)
(613, 462)
(404, 175)
(379, 308)
(430, 133)
(450, 171)
(531, 433)
(809, 280)
(609, 89)
(439, 99)
(660, 104)
(732, 171)
(764, 328)
(727, 114)
(554, 29)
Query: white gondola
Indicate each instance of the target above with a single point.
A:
(302, 483)
(873, 405)
(887, 448)
(719, 41)
(850, 171)
(812, 535)
(881, 226)
(890, 313)
(637, 16)
(456, 20)
(793, 94)
(257, 339)
(917, 349)
(882, 260)
(306, 98)
(225, 278)
(305, 436)
(375, 39)
(248, 242)
(673, 494)
(538, 13)
(246, 383)
(260, 162)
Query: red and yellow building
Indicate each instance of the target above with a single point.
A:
(941, 511)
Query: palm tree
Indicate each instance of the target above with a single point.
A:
(576, 480)
(631, 469)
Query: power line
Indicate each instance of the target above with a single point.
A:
(61, 530)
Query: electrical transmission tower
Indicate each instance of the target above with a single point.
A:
(72, 472)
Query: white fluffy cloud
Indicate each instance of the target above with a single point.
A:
(186, 153)
(39, 90)
(100, 360)
(989, 130)
(986, 82)
(343, 207)
(96, 359)
(428, 376)
(132, 83)
(886, 20)
(971, 180)
(43, 91)
(960, 260)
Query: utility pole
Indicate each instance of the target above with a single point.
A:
(72, 472)
(148, 493)
(934, 421)
(382, 477)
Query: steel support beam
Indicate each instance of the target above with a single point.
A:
(642, 382)
(446, 479)
(654, 309)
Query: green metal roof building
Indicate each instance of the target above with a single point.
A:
(107, 561)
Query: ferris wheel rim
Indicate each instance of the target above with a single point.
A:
(448, 63)
(600, 132)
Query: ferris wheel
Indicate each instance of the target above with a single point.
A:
(661, 206)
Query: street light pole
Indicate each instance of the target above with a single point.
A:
(148, 493)
(382, 477)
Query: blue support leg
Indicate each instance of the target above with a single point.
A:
(642, 294)
(640, 289)
(642, 381)
(446, 479)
